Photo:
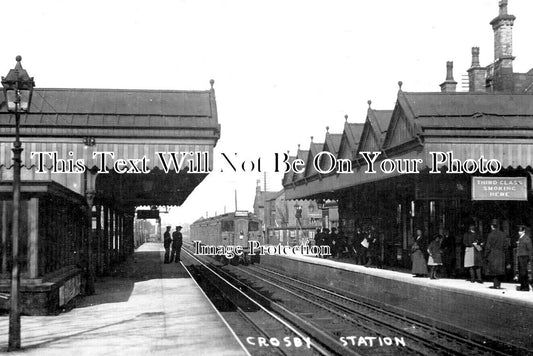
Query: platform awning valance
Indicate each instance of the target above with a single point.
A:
(515, 155)
(155, 154)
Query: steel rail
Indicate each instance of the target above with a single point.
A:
(377, 324)
(429, 328)
(286, 324)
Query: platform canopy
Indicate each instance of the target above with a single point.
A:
(469, 125)
(141, 127)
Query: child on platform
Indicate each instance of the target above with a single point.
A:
(435, 258)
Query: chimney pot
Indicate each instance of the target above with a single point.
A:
(475, 57)
(503, 7)
(449, 70)
(449, 85)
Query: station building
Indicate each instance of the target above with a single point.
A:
(100, 160)
(292, 222)
(430, 156)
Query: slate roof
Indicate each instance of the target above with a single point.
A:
(353, 133)
(261, 197)
(333, 141)
(524, 82)
(288, 176)
(120, 108)
(122, 102)
(301, 154)
(469, 114)
(314, 149)
(382, 118)
(468, 104)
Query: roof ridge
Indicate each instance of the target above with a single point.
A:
(463, 93)
(125, 90)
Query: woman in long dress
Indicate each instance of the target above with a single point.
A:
(419, 268)
(473, 256)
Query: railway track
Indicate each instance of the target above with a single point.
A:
(345, 325)
(260, 331)
(419, 337)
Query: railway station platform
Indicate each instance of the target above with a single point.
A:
(144, 308)
(470, 309)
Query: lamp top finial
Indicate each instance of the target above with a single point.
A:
(18, 66)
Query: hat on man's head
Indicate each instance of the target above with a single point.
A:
(178, 227)
(168, 226)
(494, 222)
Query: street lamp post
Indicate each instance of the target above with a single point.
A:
(298, 215)
(18, 89)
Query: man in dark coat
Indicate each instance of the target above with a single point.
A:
(326, 241)
(495, 254)
(341, 244)
(177, 241)
(167, 240)
(319, 239)
(459, 255)
(334, 243)
(361, 250)
(524, 253)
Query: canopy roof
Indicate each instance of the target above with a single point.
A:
(132, 124)
(496, 126)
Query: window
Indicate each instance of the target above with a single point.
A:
(253, 226)
(227, 226)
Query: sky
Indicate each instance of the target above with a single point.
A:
(283, 70)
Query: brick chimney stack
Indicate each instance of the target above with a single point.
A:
(476, 74)
(502, 79)
(449, 85)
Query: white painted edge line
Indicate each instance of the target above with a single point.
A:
(403, 277)
(215, 309)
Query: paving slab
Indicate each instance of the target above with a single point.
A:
(144, 308)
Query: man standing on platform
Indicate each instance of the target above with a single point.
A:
(447, 246)
(495, 253)
(167, 240)
(524, 252)
(177, 241)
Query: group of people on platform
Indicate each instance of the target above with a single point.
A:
(365, 247)
(175, 242)
(472, 253)
(444, 255)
